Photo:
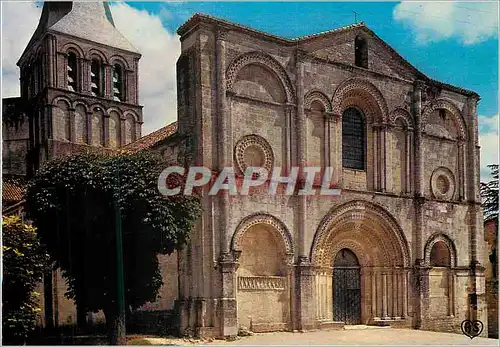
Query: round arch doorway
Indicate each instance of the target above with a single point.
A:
(346, 288)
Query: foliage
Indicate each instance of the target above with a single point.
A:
(489, 193)
(24, 262)
(72, 202)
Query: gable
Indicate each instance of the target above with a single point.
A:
(340, 47)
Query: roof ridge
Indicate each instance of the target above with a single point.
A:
(200, 15)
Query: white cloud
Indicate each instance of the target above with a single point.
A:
(16, 34)
(157, 67)
(434, 21)
(488, 140)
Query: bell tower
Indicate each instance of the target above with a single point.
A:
(79, 83)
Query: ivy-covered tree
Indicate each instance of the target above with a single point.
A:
(489, 193)
(24, 262)
(74, 203)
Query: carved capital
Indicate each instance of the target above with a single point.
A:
(221, 34)
(301, 56)
(419, 85)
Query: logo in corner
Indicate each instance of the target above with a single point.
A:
(473, 328)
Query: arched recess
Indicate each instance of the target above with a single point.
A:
(119, 59)
(81, 123)
(265, 61)
(71, 46)
(440, 237)
(447, 105)
(378, 242)
(264, 251)
(316, 96)
(320, 130)
(262, 218)
(443, 119)
(356, 216)
(358, 93)
(130, 134)
(114, 131)
(97, 125)
(94, 53)
(61, 117)
(440, 256)
(402, 150)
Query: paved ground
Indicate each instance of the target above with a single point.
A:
(359, 336)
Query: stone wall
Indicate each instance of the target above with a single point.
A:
(266, 101)
(491, 278)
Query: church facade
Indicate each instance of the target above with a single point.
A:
(401, 246)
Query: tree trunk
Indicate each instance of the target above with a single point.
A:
(115, 325)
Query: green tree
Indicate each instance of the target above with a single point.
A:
(489, 193)
(72, 201)
(24, 262)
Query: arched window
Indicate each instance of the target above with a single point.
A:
(118, 85)
(440, 255)
(96, 78)
(360, 52)
(72, 72)
(353, 139)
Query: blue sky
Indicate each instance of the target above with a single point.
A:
(472, 66)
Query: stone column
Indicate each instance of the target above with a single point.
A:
(288, 135)
(463, 168)
(52, 61)
(405, 294)
(105, 137)
(374, 295)
(452, 292)
(128, 78)
(228, 265)
(327, 140)
(222, 134)
(48, 116)
(417, 114)
(408, 161)
(384, 295)
(106, 81)
(228, 305)
(72, 128)
(306, 303)
(85, 76)
(89, 127)
(461, 171)
(383, 158)
(336, 148)
(136, 82)
(376, 164)
(473, 150)
(301, 132)
(395, 297)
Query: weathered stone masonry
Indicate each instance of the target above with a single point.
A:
(411, 216)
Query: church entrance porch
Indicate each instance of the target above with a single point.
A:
(362, 262)
(346, 288)
(263, 275)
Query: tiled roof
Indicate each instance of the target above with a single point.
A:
(152, 139)
(92, 21)
(87, 20)
(13, 189)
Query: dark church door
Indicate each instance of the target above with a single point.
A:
(346, 288)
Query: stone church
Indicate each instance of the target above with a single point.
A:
(401, 246)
